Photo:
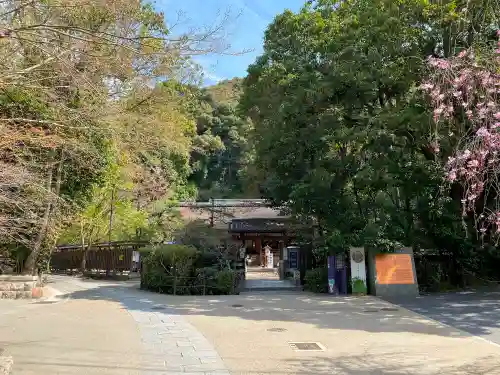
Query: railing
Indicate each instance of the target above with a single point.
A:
(181, 285)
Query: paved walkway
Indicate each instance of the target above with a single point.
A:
(476, 312)
(104, 328)
(110, 328)
(361, 336)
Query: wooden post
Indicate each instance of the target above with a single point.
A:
(258, 247)
(175, 280)
(212, 212)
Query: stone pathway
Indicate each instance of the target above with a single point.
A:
(262, 279)
(115, 329)
(172, 345)
(100, 328)
(168, 336)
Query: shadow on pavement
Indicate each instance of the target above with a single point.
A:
(331, 312)
(476, 312)
(409, 355)
(371, 365)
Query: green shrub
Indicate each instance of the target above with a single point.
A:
(225, 281)
(207, 259)
(206, 281)
(316, 280)
(168, 268)
(175, 269)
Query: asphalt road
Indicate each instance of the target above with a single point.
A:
(475, 312)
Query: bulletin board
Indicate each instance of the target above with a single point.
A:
(394, 269)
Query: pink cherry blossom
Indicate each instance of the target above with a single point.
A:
(464, 85)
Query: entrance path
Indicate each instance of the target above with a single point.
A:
(113, 328)
(103, 328)
(252, 333)
(476, 312)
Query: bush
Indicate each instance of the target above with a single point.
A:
(206, 281)
(199, 235)
(225, 281)
(316, 280)
(168, 268)
(175, 269)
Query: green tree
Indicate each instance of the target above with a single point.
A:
(220, 156)
(341, 130)
(75, 84)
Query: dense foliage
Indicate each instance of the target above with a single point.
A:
(92, 146)
(182, 269)
(375, 120)
(343, 133)
(221, 150)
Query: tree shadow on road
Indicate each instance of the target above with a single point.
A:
(323, 311)
(476, 312)
(352, 323)
(378, 365)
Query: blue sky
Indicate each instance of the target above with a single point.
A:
(245, 30)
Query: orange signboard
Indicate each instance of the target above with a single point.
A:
(394, 269)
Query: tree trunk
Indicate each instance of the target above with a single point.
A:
(111, 212)
(55, 203)
(84, 251)
(30, 264)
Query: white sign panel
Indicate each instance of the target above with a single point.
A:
(358, 270)
(270, 260)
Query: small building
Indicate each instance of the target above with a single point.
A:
(264, 238)
(263, 231)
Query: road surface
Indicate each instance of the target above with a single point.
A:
(113, 328)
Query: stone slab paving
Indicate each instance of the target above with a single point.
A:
(99, 328)
(252, 333)
(170, 344)
(170, 337)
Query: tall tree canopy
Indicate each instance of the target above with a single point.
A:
(342, 131)
(79, 96)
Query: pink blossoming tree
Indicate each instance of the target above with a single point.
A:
(465, 94)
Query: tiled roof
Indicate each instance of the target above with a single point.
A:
(224, 215)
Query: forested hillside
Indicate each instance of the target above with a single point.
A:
(221, 152)
(103, 126)
(378, 120)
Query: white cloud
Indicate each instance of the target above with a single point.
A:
(212, 76)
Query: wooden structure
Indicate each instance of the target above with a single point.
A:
(257, 233)
(102, 258)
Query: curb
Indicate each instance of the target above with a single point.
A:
(479, 338)
(54, 294)
(6, 364)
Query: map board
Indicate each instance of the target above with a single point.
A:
(394, 269)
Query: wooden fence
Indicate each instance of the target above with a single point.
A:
(102, 258)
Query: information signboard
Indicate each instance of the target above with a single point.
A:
(394, 269)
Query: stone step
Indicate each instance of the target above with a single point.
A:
(20, 287)
(274, 289)
(16, 294)
(261, 269)
(270, 285)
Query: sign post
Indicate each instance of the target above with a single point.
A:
(269, 257)
(393, 274)
(358, 270)
(332, 273)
